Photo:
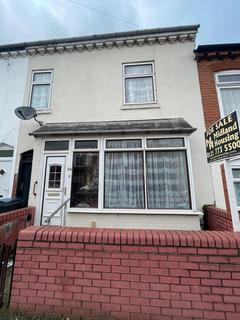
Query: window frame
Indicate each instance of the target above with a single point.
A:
(102, 149)
(124, 77)
(225, 85)
(48, 109)
(235, 166)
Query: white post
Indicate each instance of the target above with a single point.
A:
(232, 196)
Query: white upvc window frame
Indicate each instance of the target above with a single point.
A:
(147, 75)
(34, 83)
(235, 166)
(225, 85)
(101, 150)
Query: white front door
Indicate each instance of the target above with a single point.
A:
(5, 178)
(54, 188)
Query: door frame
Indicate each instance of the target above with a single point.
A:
(43, 180)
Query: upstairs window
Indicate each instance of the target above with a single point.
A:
(139, 83)
(41, 90)
(228, 89)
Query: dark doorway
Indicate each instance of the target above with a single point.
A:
(24, 176)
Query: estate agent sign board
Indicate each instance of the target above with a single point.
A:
(223, 138)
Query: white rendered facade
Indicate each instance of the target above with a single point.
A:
(13, 75)
(88, 85)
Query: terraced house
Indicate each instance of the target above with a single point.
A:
(122, 136)
(219, 76)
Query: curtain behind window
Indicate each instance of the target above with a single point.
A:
(40, 95)
(139, 90)
(124, 182)
(167, 180)
(230, 100)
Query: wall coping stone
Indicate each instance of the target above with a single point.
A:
(208, 239)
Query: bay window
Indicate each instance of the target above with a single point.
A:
(134, 173)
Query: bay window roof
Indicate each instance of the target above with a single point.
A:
(164, 126)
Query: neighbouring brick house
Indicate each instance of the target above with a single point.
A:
(122, 133)
(219, 76)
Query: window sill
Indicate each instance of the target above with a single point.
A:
(135, 212)
(152, 105)
(43, 111)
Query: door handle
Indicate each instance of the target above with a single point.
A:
(34, 188)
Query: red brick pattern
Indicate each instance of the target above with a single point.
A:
(15, 180)
(218, 219)
(206, 70)
(12, 222)
(225, 189)
(127, 274)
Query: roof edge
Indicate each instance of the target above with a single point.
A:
(24, 45)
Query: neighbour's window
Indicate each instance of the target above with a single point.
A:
(228, 88)
(41, 89)
(137, 174)
(6, 153)
(236, 182)
(139, 83)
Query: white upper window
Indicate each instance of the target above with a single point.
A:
(228, 89)
(41, 89)
(139, 83)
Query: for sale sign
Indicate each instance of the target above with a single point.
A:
(223, 138)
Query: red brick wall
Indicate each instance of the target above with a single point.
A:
(127, 274)
(206, 70)
(12, 222)
(15, 179)
(218, 219)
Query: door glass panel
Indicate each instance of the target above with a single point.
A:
(54, 181)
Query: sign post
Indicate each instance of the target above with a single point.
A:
(223, 143)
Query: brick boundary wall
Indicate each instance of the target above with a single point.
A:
(127, 274)
(12, 222)
(217, 219)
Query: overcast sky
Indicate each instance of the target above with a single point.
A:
(31, 20)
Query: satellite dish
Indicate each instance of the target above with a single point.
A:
(25, 113)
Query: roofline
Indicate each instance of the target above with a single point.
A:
(217, 47)
(104, 36)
